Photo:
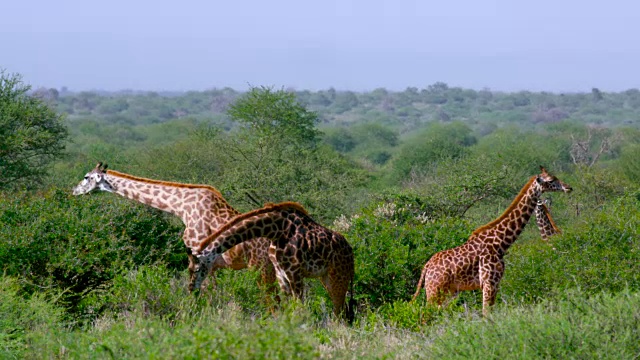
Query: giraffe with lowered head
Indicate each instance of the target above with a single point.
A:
(478, 263)
(300, 248)
(201, 207)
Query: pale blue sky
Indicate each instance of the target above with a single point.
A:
(551, 45)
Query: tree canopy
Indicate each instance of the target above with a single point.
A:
(32, 134)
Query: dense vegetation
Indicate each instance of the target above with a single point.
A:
(401, 174)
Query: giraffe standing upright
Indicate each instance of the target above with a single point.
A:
(201, 207)
(300, 248)
(545, 222)
(478, 263)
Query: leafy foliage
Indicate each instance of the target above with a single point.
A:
(32, 134)
(436, 143)
(20, 317)
(392, 241)
(78, 244)
(401, 174)
(275, 115)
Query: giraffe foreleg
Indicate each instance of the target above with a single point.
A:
(490, 276)
(268, 283)
(297, 284)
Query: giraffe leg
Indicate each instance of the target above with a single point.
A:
(437, 287)
(489, 292)
(297, 285)
(337, 284)
(280, 272)
(437, 295)
(268, 283)
(259, 259)
(490, 276)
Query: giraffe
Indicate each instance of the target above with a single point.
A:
(545, 222)
(201, 207)
(300, 248)
(478, 263)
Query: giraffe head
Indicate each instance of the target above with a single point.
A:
(201, 268)
(548, 182)
(94, 179)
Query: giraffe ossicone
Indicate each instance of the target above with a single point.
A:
(300, 248)
(478, 263)
(201, 208)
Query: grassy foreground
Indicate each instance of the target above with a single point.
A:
(155, 318)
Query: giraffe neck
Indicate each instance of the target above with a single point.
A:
(504, 231)
(185, 201)
(272, 222)
(545, 222)
(269, 225)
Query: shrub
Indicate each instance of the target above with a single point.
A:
(392, 242)
(19, 316)
(598, 253)
(79, 243)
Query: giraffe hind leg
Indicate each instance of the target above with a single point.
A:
(337, 285)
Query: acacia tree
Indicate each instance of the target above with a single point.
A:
(31, 133)
(273, 125)
(275, 115)
(276, 156)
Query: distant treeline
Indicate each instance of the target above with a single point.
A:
(406, 109)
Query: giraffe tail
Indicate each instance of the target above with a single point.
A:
(351, 306)
(420, 283)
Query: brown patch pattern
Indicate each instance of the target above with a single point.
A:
(478, 263)
(300, 248)
(202, 209)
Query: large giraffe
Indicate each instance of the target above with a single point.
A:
(300, 248)
(545, 222)
(478, 263)
(201, 207)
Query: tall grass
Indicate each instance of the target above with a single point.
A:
(158, 321)
(603, 326)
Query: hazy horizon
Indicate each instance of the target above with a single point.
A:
(569, 46)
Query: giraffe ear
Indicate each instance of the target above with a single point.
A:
(543, 170)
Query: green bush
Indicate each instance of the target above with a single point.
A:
(77, 244)
(392, 241)
(160, 323)
(20, 317)
(436, 143)
(600, 252)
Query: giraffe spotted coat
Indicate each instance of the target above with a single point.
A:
(478, 263)
(300, 248)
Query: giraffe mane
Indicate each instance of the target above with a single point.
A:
(548, 214)
(513, 205)
(164, 183)
(269, 207)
